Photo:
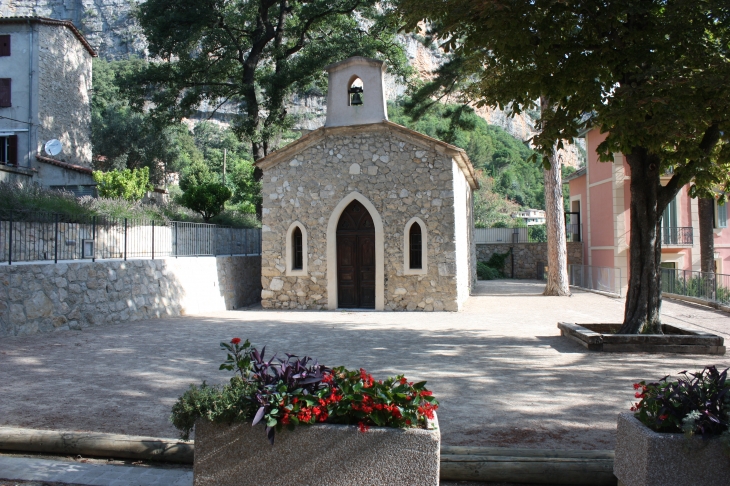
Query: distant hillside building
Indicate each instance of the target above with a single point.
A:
(45, 94)
(365, 213)
(531, 217)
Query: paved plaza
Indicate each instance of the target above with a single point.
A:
(501, 371)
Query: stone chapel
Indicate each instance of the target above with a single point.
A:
(364, 213)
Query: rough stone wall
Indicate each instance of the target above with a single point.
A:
(399, 178)
(527, 256)
(64, 93)
(37, 298)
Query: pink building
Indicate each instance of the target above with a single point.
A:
(599, 205)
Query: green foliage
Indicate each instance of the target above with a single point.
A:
(23, 199)
(659, 97)
(497, 154)
(124, 138)
(219, 404)
(485, 272)
(208, 199)
(493, 268)
(254, 54)
(123, 184)
(537, 234)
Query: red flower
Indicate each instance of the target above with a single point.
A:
(408, 421)
(235, 340)
(639, 395)
(426, 393)
(295, 400)
(637, 386)
(285, 419)
(403, 381)
(363, 427)
(663, 417)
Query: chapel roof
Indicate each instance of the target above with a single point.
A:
(311, 138)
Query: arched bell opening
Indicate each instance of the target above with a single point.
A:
(355, 91)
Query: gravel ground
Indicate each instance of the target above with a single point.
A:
(500, 369)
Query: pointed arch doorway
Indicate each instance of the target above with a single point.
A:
(355, 258)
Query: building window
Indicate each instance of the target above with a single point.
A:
(5, 100)
(9, 150)
(415, 257)
(296, 250)
(4, 45)
(720, 215)
(297, 244)
(416, 261)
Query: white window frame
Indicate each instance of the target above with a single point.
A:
(719, 224)
(407, 270)
(289, 254)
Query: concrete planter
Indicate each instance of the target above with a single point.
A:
(648, 458)
(676, 339)
(321, 454)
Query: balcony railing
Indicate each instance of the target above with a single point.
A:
(574, 232)
(676, 236)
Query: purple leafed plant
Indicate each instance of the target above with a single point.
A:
(278, 377)
(697, 403)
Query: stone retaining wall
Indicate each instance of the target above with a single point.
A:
(527, 256)
(38, 298)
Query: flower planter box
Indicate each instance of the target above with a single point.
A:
(322, 454)
(648, 458)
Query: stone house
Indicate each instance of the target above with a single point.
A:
(45, 94)
(365, 213)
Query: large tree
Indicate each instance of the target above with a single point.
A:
(654, 75)
(253, 55)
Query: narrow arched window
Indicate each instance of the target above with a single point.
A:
(414, 244)
(298, 246)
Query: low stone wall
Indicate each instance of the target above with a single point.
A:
(45, 297)
(527, 256)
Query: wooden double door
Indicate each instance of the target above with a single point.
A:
(356, 258)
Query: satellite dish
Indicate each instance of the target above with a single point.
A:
(53, 147)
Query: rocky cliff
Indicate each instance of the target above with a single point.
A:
(111, 28)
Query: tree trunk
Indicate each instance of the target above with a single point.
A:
(707, 235)
(644, 297)
(557, 278)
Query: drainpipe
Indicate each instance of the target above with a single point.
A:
(30, 90)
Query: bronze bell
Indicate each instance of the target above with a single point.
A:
(355, 96)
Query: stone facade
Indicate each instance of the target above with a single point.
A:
(403, 175)
(527, 256)
(64, 93)
(37, 298)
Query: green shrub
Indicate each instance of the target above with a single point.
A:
(537, 233)
(485, 272)
(208, 199)
(493, 269)
(127, 184)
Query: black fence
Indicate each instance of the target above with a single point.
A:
(27, 236)
(676, 236)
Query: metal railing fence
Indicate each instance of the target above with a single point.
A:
(677, 236)
(602, 279)
(529, 234)
(27, 236)
(712, 287)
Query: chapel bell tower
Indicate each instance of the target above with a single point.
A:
(355, 94)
